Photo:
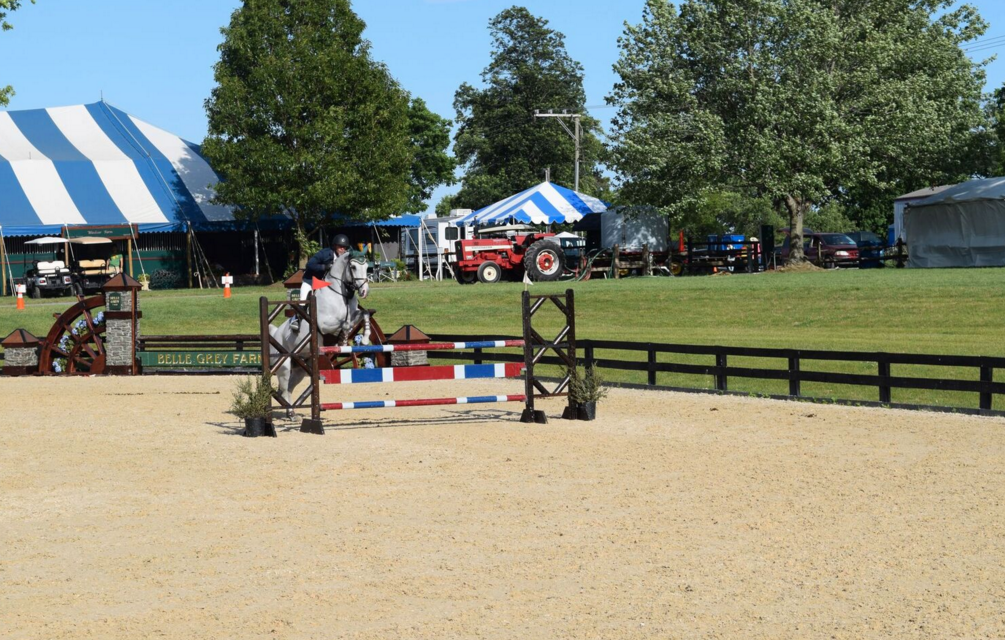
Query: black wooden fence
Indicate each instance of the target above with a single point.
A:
(792, 368)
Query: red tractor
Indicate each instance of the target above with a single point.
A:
(487, 259)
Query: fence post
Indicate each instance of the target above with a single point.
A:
(314, 424)
(263, 319)
(588, 355)
(794, 375)
(884, 389)
(652, 365)
(478, 355)
(721, 384)
(987, 398)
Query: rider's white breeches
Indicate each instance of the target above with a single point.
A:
(305, 289)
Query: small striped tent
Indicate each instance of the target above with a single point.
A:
(96, 165)
(542, 204)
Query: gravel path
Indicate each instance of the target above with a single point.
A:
(132, 509)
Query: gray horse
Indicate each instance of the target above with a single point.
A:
(338, 313)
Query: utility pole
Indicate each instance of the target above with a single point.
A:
(575, 136)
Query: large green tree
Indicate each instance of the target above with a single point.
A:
(502, 147)
(6, 6)
(799, 101)
(431, 164)
(303, 120)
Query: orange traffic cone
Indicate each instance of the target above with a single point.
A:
(20, 297)
(227, 281)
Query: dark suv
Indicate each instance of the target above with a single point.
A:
(871, 249)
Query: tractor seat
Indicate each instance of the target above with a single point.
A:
(94, 268)
(50, 268)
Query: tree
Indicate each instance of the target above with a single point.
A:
(431, 164)
(504, 149)
(7, 6)
(302, 120)
(801, 101)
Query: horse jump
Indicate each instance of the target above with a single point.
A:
(307, 356)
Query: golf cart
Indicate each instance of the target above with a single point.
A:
(92, 263)
(80, 265)
(49, 277)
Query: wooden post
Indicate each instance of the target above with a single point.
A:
(615, 262)
(129, 250)
(314, 424)
(721, 383)
(794, 375)
(652, 365)
(528, 359)
(986, 397)
(646, 266)
(884, 389)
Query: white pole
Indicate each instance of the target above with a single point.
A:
(420, 249)
(256, 252)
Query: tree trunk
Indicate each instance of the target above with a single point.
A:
(797, 211)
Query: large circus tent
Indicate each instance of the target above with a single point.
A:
(95, 170)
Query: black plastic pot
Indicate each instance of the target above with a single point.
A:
(587, 411)
(254, 427)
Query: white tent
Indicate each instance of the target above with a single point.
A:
(962, 226)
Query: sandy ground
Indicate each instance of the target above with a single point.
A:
(131, 508)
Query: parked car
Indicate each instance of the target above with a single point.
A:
(829, 250)
(871, 249)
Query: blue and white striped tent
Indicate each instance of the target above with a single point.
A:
(96, 165)
(542, 204)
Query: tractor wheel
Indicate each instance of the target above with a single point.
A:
(466, 277)
(676, 268)
(544, 261)
(489, 272)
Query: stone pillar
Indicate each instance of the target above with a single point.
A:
(408, 334)
(20, 354)
(122, 325)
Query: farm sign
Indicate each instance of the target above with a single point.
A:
(200, 359)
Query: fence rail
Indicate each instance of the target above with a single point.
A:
(792, 369)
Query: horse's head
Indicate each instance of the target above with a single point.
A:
(350, 269)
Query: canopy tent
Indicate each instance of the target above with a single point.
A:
(962, 226)
(96, 165)
(542, 204)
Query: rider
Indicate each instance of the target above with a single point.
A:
(318, 266)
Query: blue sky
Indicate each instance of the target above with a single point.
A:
(154, 59)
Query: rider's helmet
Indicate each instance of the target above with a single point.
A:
(341, 240)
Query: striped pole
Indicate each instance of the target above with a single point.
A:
(435, 346)
(424, 402)
(414, 374)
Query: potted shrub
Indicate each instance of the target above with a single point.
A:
(253, 402)
(586, 390)
(144, 280)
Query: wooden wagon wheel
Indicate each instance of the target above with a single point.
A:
(352, 360)
(76, 342)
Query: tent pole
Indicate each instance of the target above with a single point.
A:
(5, 264)
(188, 255)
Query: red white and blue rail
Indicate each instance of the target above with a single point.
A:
(435, 346)
(425, 402)
(414, 374)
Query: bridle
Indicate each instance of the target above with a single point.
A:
(349, 281)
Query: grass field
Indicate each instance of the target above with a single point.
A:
(960, 311)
